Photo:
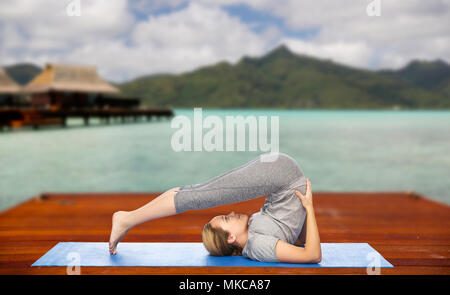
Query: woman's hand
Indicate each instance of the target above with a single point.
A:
(307, 199)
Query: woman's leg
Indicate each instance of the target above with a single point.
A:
(251, 180)
(123, 221)
(164, 205)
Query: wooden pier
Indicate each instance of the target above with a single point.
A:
(411, 232)
(19, 117)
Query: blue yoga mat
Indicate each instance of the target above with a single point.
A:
(194, 254)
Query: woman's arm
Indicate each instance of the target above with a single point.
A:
(312, 252)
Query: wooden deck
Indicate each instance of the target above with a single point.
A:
(20, 117)
(411, 232)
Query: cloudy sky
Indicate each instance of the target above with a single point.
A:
(126, 39)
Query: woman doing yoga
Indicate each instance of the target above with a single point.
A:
(268, 235)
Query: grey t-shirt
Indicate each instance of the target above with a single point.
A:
(281, 218)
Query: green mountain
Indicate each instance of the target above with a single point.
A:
(282, 79)
(434, 76)
(22, 73)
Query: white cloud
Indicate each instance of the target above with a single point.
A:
(122, 47)
(47, 22)
(405, 30)
(199, 27)
(117, 37)
(355, 54)
(181, 41)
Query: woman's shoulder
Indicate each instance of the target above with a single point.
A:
(260, 247)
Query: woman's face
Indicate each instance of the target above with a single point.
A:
(235, 224)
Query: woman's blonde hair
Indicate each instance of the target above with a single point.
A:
(215, 241)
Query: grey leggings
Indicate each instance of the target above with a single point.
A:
(252, 180)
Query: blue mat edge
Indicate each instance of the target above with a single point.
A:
(262, 264)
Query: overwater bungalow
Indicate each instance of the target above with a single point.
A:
(61, 86)
(61, 91)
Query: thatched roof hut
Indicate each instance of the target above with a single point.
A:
(69, 78)
(7, 85)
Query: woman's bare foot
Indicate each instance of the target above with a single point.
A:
(118, 230)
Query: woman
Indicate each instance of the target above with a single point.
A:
(268, 235)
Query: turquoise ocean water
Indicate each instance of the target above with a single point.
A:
(337, 151)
